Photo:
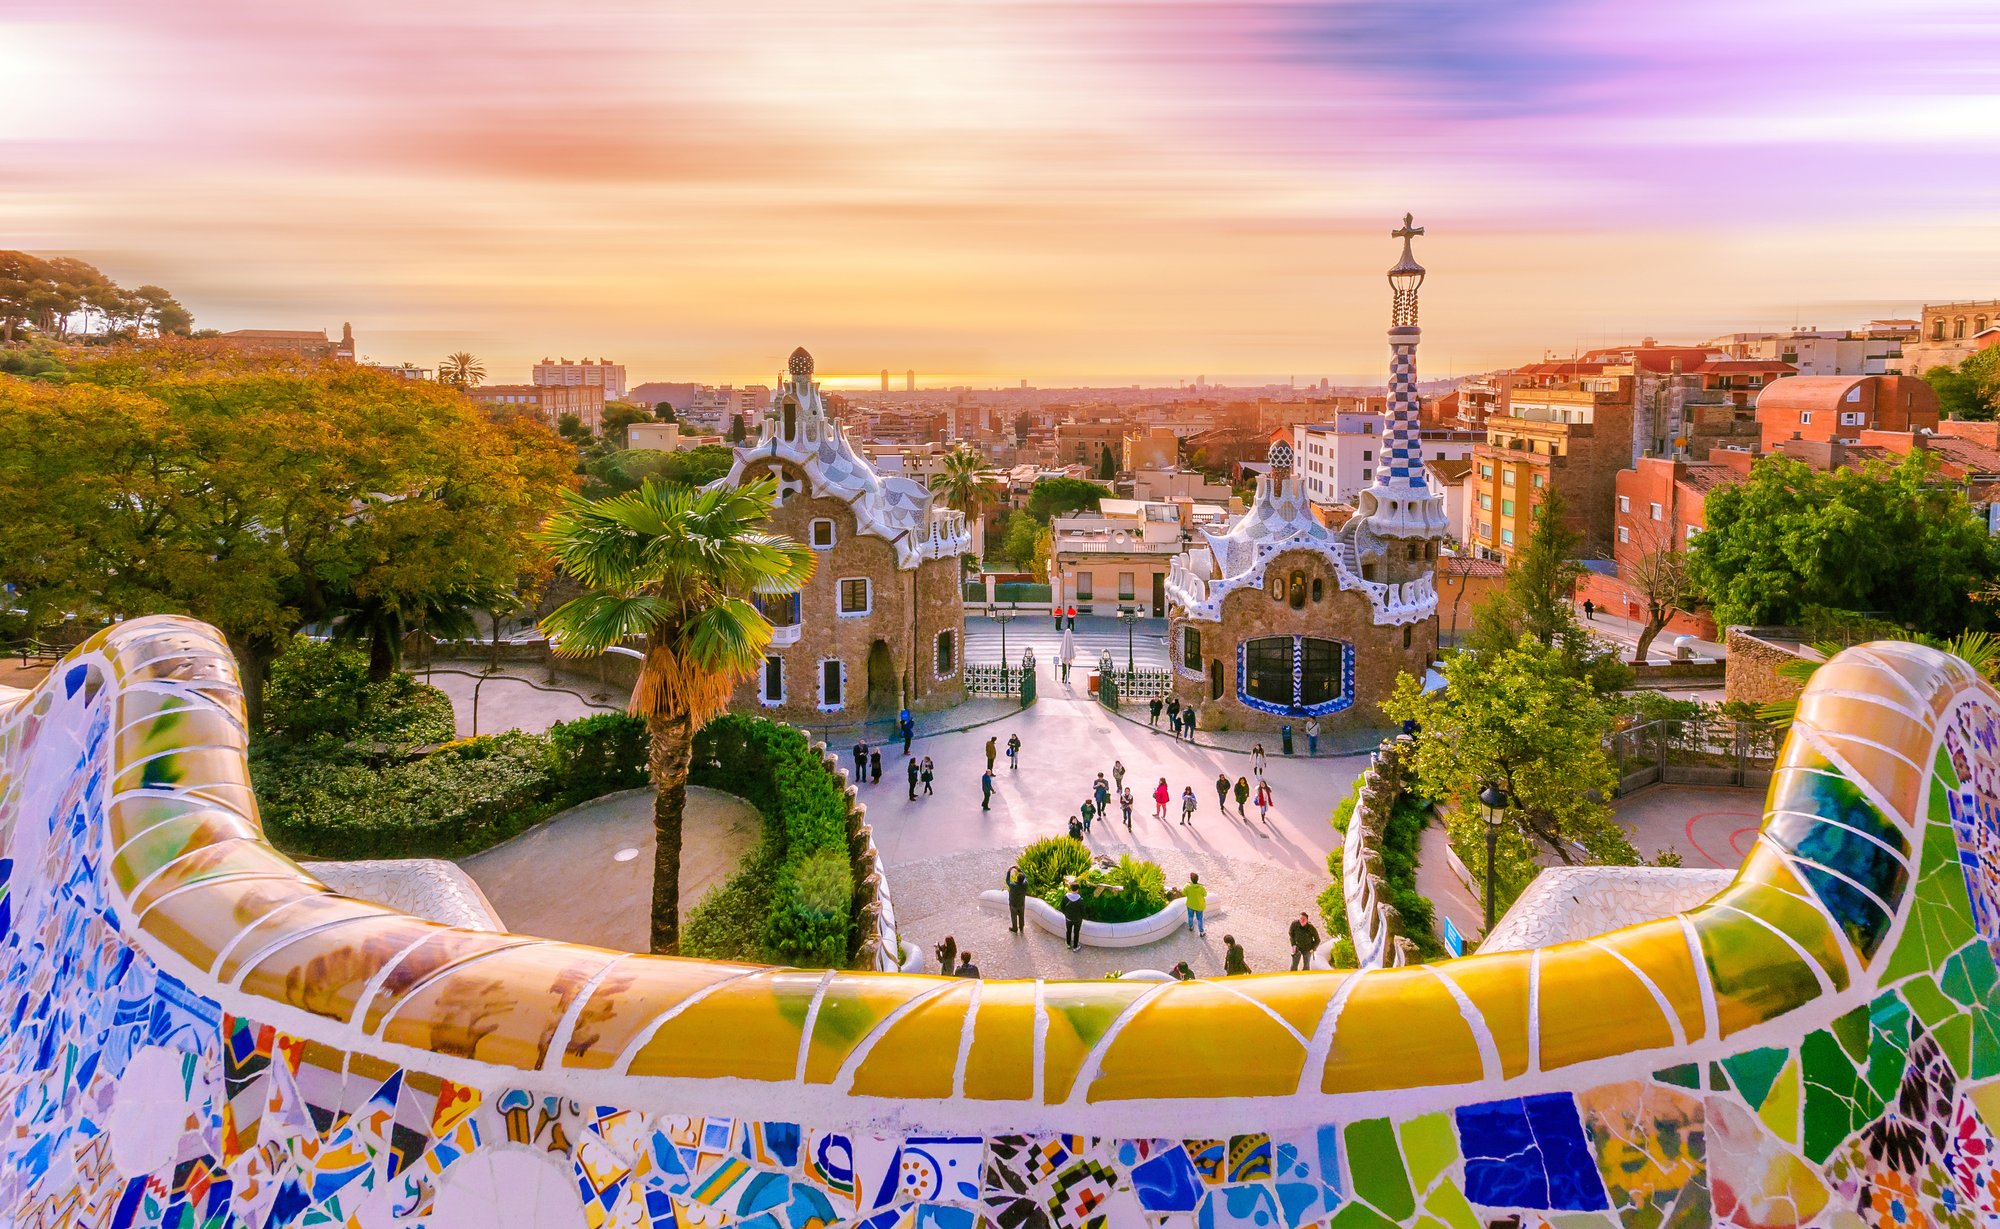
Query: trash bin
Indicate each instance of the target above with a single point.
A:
(1094, 680)
(1285, 737)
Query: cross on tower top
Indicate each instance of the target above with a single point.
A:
(1407, 231)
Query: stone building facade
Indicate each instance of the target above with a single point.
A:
(881, 623)
(1279, 618)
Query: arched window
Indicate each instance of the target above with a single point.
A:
(1298, 590)
(1191, 649)
(1407, 631)
(1215, 679)
(1958, 328)
(1978, 324)
(791, 418)
(1276, 588)
(1319, 588)
(1413, 552)
(947, 653)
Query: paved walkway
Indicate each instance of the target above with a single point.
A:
(1094, 634)
(517, 698)
(586, 875)
(1706, 825)
(1623, 632)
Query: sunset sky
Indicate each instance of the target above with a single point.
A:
(989, 192)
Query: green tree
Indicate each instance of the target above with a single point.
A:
(676, 568)
(664, 412)
(162, 312)
(1521, 719)
(627, 469)
(461, 370)
(1534, 606)
(1018, 543)
(1895, 542)
(261, 500)
(736, 429)
(1052, 497)
(570, 427)
(1970, 390)
(617, 417)
(1107, 465)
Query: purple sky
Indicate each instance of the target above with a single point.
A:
(996, 191)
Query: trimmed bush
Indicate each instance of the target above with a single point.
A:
(1400, 839)
(325, 799)
(320, 690)
(1046, 863)
(1049, 862)
(802, 870)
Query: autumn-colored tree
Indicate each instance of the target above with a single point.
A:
(263, 500)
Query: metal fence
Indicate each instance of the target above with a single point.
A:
(1695, 752)
(992, 680)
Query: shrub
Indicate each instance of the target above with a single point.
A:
(1046, 863)
(320, 690)
(728, 924)
(1398, 843)
(802, 867)
(326, 799)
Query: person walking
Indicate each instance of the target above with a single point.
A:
(1100, 789)
(914, 773)
(1153, 709)
(1162, 795)
(947, 954)
(1089, 812)
(1312, 736)
(928, 773)
(1222, 792)
(986, 789)
(1072, 911)
(965, 966)
(1013, 752)
(1589, 609)
(1174, 716)
(1195, 897)
(860, 762)
(1264, 801)
(1257, 761)
(1118, 774)
(1188, 805)
(875, 765)
(909, 730)
(1125, 805)
(1187, 723)
(992, 752)
(1075, 828)
(1305, 937)
(1233, 964)
(1017, 899)
(1242, 796)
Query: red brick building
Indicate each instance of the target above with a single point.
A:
(1842, 407)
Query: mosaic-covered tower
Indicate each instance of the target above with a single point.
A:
(1279, 618)
(878, 625)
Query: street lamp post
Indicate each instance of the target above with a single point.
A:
(1002, 617)
(1493, 800)
(1129, 616)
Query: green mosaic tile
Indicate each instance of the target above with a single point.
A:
(1985, 1046)
(1448, 1204)
(1717, 1081)
(1851, 1030)
(1376, 1166)
(1954, 1037)
(1752, 1072)
(1693, 1210)
(1686, 1075)
(1967, 975)
(1357, 1215)
(1838, 1099)
(1940, 911)
(1930, 1004)
(1430, 1145)
(1888, 1046)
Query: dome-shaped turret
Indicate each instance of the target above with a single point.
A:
(800, 365)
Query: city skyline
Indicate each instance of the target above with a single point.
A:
(1129, 193)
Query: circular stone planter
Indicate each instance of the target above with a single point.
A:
(1136, 933)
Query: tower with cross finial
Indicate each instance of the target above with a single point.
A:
(1401, 519)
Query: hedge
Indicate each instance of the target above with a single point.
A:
(793, 902)
(1401, 837)
(324, 799)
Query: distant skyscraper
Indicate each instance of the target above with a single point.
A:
(885, 379)
(910, 381)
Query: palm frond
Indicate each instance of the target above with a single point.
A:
(590, 624)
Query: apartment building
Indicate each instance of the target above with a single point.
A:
(602, 372)
(546, 402)
(1572, 439)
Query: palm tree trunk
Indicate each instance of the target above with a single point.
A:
(672, 750)
(381, 653)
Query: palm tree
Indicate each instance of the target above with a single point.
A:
(676, 567)
(965, 483)
(461, 369)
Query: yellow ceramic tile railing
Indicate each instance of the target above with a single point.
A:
(204, 894)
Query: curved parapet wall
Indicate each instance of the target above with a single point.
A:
(199, 1032)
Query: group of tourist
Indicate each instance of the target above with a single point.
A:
(1180, 724)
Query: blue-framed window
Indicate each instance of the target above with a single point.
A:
(1301, 675)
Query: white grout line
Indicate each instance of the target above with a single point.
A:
(806, 1030)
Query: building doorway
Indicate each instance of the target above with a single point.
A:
(1159, 595)
(884, 696)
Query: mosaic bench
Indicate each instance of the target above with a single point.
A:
(199, 1033)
